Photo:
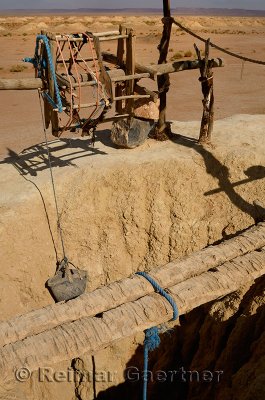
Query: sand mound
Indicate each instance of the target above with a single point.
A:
(195, 25)
(29, 28)
(88, 20)
(76, 27)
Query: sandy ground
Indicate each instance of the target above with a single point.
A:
(124, 211)
(21, 121)
(154, 204)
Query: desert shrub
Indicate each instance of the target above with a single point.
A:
(150, 23)
(18, 68)
(188, 53)
(177, 56)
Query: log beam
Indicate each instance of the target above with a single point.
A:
(167, 68)
(131, 289)
(21, 84)
(89, 335)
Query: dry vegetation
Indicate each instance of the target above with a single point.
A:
(214, 25)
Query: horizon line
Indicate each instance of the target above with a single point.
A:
(136, 8)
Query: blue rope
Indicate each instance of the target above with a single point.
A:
(152, 339)
(161, 291)
(42, 64)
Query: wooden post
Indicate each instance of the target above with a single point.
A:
(163, 129)
(130, 68)
(120, 62)
(206, 80)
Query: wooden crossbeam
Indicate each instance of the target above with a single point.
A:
(66, 330)
(21, 84)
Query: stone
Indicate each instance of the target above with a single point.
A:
(130, 133)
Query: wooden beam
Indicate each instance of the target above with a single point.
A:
(130, 289)
(151, 70)
(110, 33)
(21, 84)
(130, 77)
(167, 68)
(108, 38)
(89, 335)
(185, 65)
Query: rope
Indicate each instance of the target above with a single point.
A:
(152, 339)
(39, 64)
(230, 53)
(53, 184)
(161, 291)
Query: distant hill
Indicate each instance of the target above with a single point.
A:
(142, 11)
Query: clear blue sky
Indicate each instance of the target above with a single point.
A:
(248, 4)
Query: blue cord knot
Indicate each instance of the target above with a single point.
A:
(152, 339)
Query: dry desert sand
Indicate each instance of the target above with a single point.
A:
(128, 210)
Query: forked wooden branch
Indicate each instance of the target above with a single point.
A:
(206, 80)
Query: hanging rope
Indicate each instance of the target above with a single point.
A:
(152, 339)
(65, 260)
(230, 53)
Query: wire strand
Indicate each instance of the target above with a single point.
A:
(230, 53)
(52, 180)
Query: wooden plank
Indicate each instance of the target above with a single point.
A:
(185, 65)
(21, 84)
(109, 38)
(167, 68)
(130, 77)
(110, 33)
(133, 97)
